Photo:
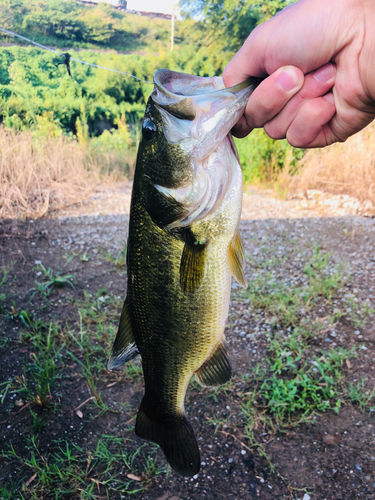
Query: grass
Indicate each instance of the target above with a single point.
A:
(119, 260)
(298, 380)
(283, 303)
(346, 168)
(361, 396)
(70, 470)
(40, 374)
(111, 466)
(40, 172)
(51, 280)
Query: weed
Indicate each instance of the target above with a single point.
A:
(39, 376)
(119, 261)
(360, 396)
(91, 378)
(38, 422)
(51, 280)
(8, 385)
(5, 274)
(5, 494)
(22, 315)
(84, 257)
(74, 472)
(69, 256)
(359, 312)
(133, 371)
(297, 382)
(284, 303)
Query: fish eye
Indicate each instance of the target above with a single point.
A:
(149, 130)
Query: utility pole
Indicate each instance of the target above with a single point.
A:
(172, 30)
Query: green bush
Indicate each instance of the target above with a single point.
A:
(264, 159)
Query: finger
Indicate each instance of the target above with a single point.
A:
(310, 128)
(316, 84)
(269, 98)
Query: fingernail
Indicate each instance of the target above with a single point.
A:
(288, 80)
(324, 73)
(330, 98)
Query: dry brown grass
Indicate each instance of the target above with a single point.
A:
(347, 168)
(45, 173)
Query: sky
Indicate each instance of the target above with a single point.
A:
(164, 6)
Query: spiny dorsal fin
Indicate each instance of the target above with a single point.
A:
(216, 370)
(237, 260)
(124, 348)
(192, 266)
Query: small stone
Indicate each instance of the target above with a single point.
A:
(331, 439)
(358, 467)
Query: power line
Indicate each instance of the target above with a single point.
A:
(71, 58)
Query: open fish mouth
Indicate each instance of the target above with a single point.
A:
(197, 114)
(179, 93)
(212, 107)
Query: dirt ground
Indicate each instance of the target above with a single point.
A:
(305, 325)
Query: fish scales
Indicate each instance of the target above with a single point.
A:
(183, 248)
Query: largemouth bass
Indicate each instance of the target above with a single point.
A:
(183, 249)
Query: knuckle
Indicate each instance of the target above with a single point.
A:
(261, 112)
(274, 130)
(312, 110)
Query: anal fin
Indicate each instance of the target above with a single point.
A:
(216, 370)
(124, 348)
(237, 260)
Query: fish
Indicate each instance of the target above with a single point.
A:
(183, 248)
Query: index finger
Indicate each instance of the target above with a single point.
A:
(269, 98)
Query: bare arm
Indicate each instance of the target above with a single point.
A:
(320, 55)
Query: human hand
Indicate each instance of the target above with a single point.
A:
(321, 87)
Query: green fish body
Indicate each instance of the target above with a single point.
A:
(183, 249)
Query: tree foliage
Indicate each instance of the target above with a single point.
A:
(68, 22)
(231, 21)
(38, 95)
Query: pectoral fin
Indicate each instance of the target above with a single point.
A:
(124, 348)
(192, 266)
(216, 370)
(237, 260)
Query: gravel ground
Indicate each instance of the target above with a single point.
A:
(280, 237)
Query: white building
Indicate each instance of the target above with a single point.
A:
(118, 4)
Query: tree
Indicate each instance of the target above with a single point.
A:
(229, 22)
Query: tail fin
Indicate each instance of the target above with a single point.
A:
(176, 438)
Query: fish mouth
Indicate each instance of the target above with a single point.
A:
(181, 94)
(197, 114)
